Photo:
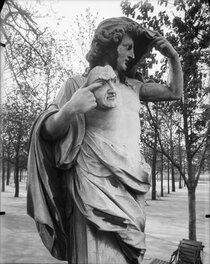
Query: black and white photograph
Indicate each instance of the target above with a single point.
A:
(105, 132)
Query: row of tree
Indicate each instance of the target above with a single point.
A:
(37, 62)
(175, 135)
(180, 130)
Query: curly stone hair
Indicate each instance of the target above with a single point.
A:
(109, 35)
(105, 43)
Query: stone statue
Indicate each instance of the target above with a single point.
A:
(87, 178)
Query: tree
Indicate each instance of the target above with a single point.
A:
(39, 62)
(189, 33)
(19, 35)
(80, 38)
(19, 114)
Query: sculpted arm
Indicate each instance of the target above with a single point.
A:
(174, 88)
(83, 100)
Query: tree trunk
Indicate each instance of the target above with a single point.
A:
(184, 170)
(3, 174)
(180, 161)
(173, 189)
(191, 200)
(16, 174)
(154, 163)
(168, 176)
(20, 175)
(161, 177)
(16, 181)
(192, 213)
(154, 160)
(180, 181)
(8, 172)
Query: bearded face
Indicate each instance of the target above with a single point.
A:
(106, 94)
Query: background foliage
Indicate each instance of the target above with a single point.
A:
(175, 135)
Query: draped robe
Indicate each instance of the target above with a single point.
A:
(85, 193)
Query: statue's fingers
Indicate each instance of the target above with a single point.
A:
(158, 34)
(160, 41)
(93, 87)
(156, 41)
(84, 85)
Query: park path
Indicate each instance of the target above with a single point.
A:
(167, 224)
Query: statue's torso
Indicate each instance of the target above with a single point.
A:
(120, 124)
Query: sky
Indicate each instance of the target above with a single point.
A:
(104, 8)
(67, 10)
(70, 8)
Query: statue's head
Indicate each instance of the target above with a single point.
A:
(106, 94)
(109, 35)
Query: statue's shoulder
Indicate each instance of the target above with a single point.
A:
(134, 83)
(74, 82)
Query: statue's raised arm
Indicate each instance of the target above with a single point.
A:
(174, 88)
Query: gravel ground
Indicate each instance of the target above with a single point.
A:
(167, 224)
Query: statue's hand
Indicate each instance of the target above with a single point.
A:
(164, 47)
(83, 100)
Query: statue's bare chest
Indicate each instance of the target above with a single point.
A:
(128, 99)
(120, 124)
